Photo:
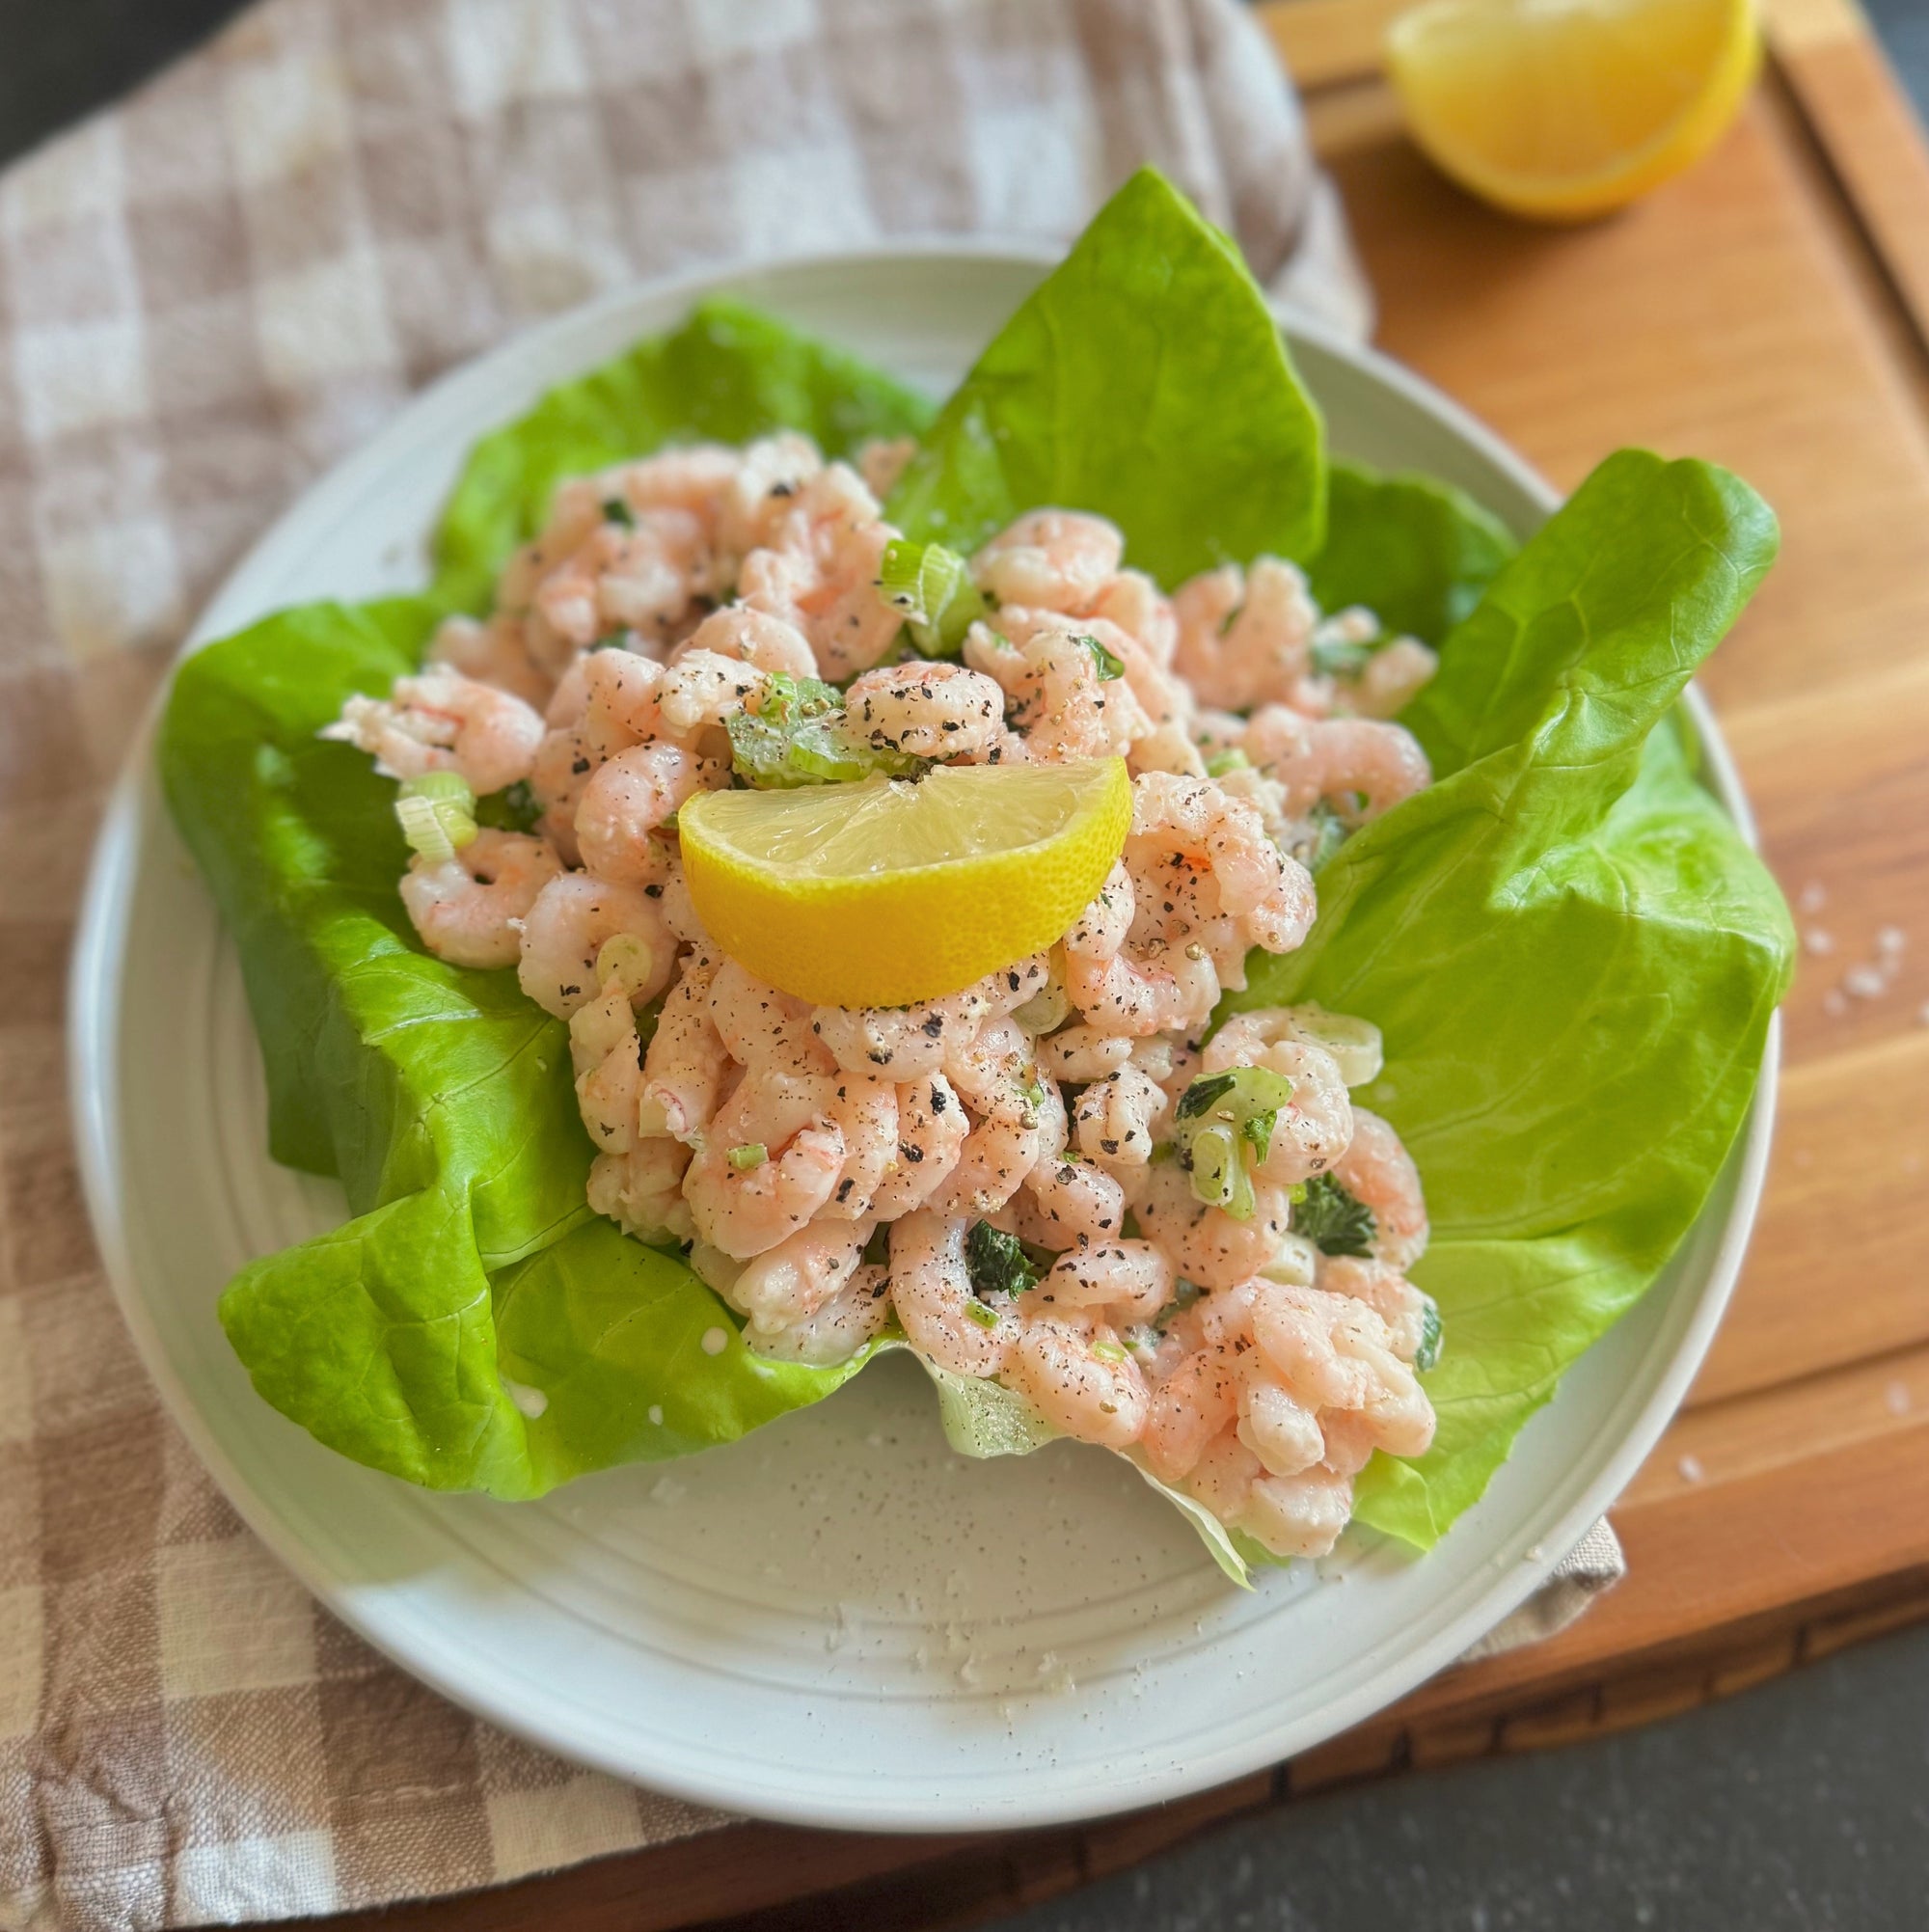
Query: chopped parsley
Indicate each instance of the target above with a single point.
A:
(1333, 1220)
(997, 1261)
(1110, 664)
(616, 510)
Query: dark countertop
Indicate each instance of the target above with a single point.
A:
(1801, 1806)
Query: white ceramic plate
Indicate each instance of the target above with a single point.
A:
(835, 1622)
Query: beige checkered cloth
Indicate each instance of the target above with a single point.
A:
(206, 296)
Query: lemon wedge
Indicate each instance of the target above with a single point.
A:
(1562, 109)
(890, 891)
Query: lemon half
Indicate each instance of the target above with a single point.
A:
(1562, 109)
(889, 892)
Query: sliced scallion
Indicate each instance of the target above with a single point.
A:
(437, 814)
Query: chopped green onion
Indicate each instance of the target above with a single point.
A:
(1326, 833)
(985, 1318)
(1222, 762)
(616, 510)
(626, 959)
(514, 808)
(1220, 1116)
(1432, 1336)
(1340, 658)
(1108, 1351)
(1184, 1295)
(798, 735)
(1109, 665)
(931, 585)
(437, 814)
(1045, 1011)
(1033, 1090)
(754, 1153)
(1219, 1176)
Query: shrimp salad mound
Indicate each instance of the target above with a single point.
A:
(1183, 1243)
(818, 872)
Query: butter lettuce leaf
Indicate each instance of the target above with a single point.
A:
(1573, 954)
(1145, 379)
(473, 1327)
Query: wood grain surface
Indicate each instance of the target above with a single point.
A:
(1771, 312)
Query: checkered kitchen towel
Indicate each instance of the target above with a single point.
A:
(206, 296)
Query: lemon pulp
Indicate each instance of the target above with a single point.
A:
(890, 891)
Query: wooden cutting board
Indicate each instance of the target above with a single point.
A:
(1770, 312)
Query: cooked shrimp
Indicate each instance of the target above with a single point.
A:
(928, 710)
(1071, 1204)
(632, 797)
(835, 1330)
(1378, 1169)
(1223, 1474)
(764, 489)
(784, 1284)
(1119, 993)
(931, 1290)
(1052, 559)
(566, 928)
(1332, 1351)
(747, 1205)
(1059, 700)
(1189, 1406)
(685, 1063)
(1015, 1121)
(608, 1056)
(1135, 603)
(866, 1112)
(1394, 676)
(642, 1190)
(606, 704)
(1077, 1376)
(932, 1130)
(1127, 1281)
(1115, 1118)
(1298, 1516)
(702, 689)
(1354, 1044)
(1207, 1244)
(753, 637)
(469, 908)
(1280, 1429)
(1271, 896)
(439, 720)
(820, 569)
(1245, 637)
(492, 653)
(1338, 761)
(762, 1026)
(1082, 1052)
(1385, 1291)
(679, 912)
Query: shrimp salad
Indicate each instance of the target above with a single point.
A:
(1180, 1242)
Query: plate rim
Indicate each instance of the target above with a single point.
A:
(95, 1037)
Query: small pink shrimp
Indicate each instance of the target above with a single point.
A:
(468, 909)
(1135, 603)
(642, 1190)
(1116, 1117)
(1189, 1407)
(1052, 559)
(1207, 1244)
(685, 1063)
(1118, 991)
(1082, 1052)
(1378, 1169)
(1061, 703)
(768, 477)
(701, 691)
(1244, 637)
(1312, 1131)
(1071, 1204)
(1081, 1379)
(492, 653)
(609, 1062)
(931, 1290)
(1015, 1121)
(835, 1329)
(932, 1130)
(1337, 760)
(762, 1026)
(787, 1283)
(745, 1205)
(819, 571)
(753, 637)
(1386, 1291)
(1394, 676)
(628, 800)
(928, 710)
(866, 1113)
(1331, 1351)
(1127, 1281)
(566, 928)
(1298, 1516)
(439, 720)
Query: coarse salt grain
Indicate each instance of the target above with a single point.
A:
(656, 1414)
(1864, 982)
(1814, 896)
(1691, 1469)
(715, 1341)
(1891, 939)
(1818, 941)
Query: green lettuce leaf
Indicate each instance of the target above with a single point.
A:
(440, 1098)
(1416, 553)
(1570, 951)
(1144, 379)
